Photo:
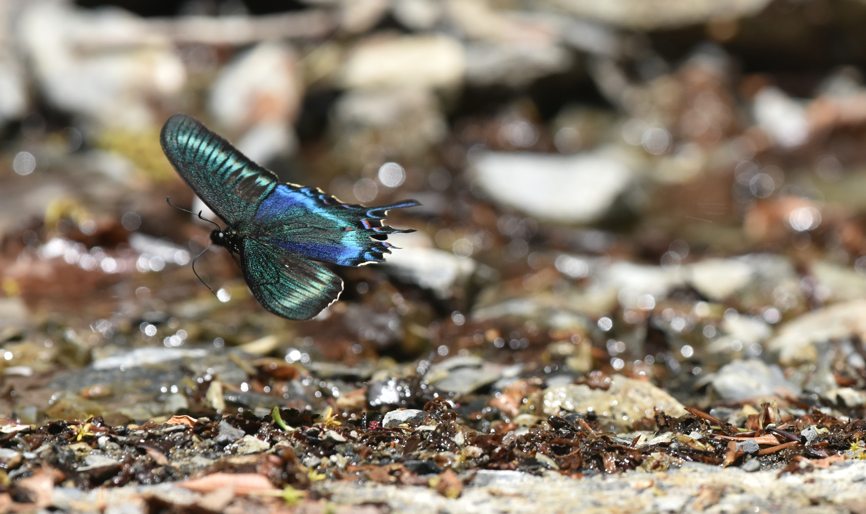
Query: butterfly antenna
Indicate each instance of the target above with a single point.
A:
(195, 271)
(198, 214)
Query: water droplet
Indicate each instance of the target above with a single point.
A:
(223, 295)
(392, 174)
(24, 163)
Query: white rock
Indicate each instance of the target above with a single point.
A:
(624, 403)
(577, 189)
(751, 379)
(398, 417)
(800, 340)
(633, 282)
(718, 279)
(514, 64)
(433, 61)
(781, 117)
(838, 283)
(654, 14)
(756, 279)
(739, 332)
(400, 122)
(417, 14)
(432, 269)
(262, 84)
(86, 62)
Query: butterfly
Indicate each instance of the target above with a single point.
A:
(281, 233)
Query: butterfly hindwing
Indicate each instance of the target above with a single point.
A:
(229, 183)
(287, 284)
(308, 222)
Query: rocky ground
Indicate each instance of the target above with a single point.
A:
(636, 284)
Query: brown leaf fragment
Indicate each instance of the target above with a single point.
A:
(39, 488)
(826, 462)
(608, 459)
(240, 483)
(156, 455)
(705, 416)
(448, 484)
(181, 419)
(732, 454)
(764, 440)
(778, 448)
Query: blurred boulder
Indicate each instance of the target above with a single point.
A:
(801, 340)
(659, 14)
(751, 379)
(569, 189)
(514, 64)
(369, 126)
(261, 84)
(625, 402)
(92, 62)
(429, 61)
(781, 117)
(259, 94)
(445, 274)
(418, 14)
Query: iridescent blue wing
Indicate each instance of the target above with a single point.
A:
(287, 284)
(229, 183)
(308, 222)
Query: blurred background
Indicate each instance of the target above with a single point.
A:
(589, 172)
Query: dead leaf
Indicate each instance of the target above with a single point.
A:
(241, 483)
(181, 420)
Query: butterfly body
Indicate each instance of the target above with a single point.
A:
(280, 232)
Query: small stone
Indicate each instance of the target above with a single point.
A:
(781, 117)
(811, 434)
(757, 280)
(849, 396)
(443, 273)
(120, 76)
(749, 446)
(249, 444)
(568, 189)
(750, 379)
(463, 375)
(626, 402)
(800, 340)
(836, 283)
(718, 279)
(261, 83)
(333, 435)
(399, 122)
(427, 61)
(514, 65)
(395, 418)
(418, 14)
(228, 433)
(95, 461)
(658, 14)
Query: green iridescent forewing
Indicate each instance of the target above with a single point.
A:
(287, 284)
(229, 183)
